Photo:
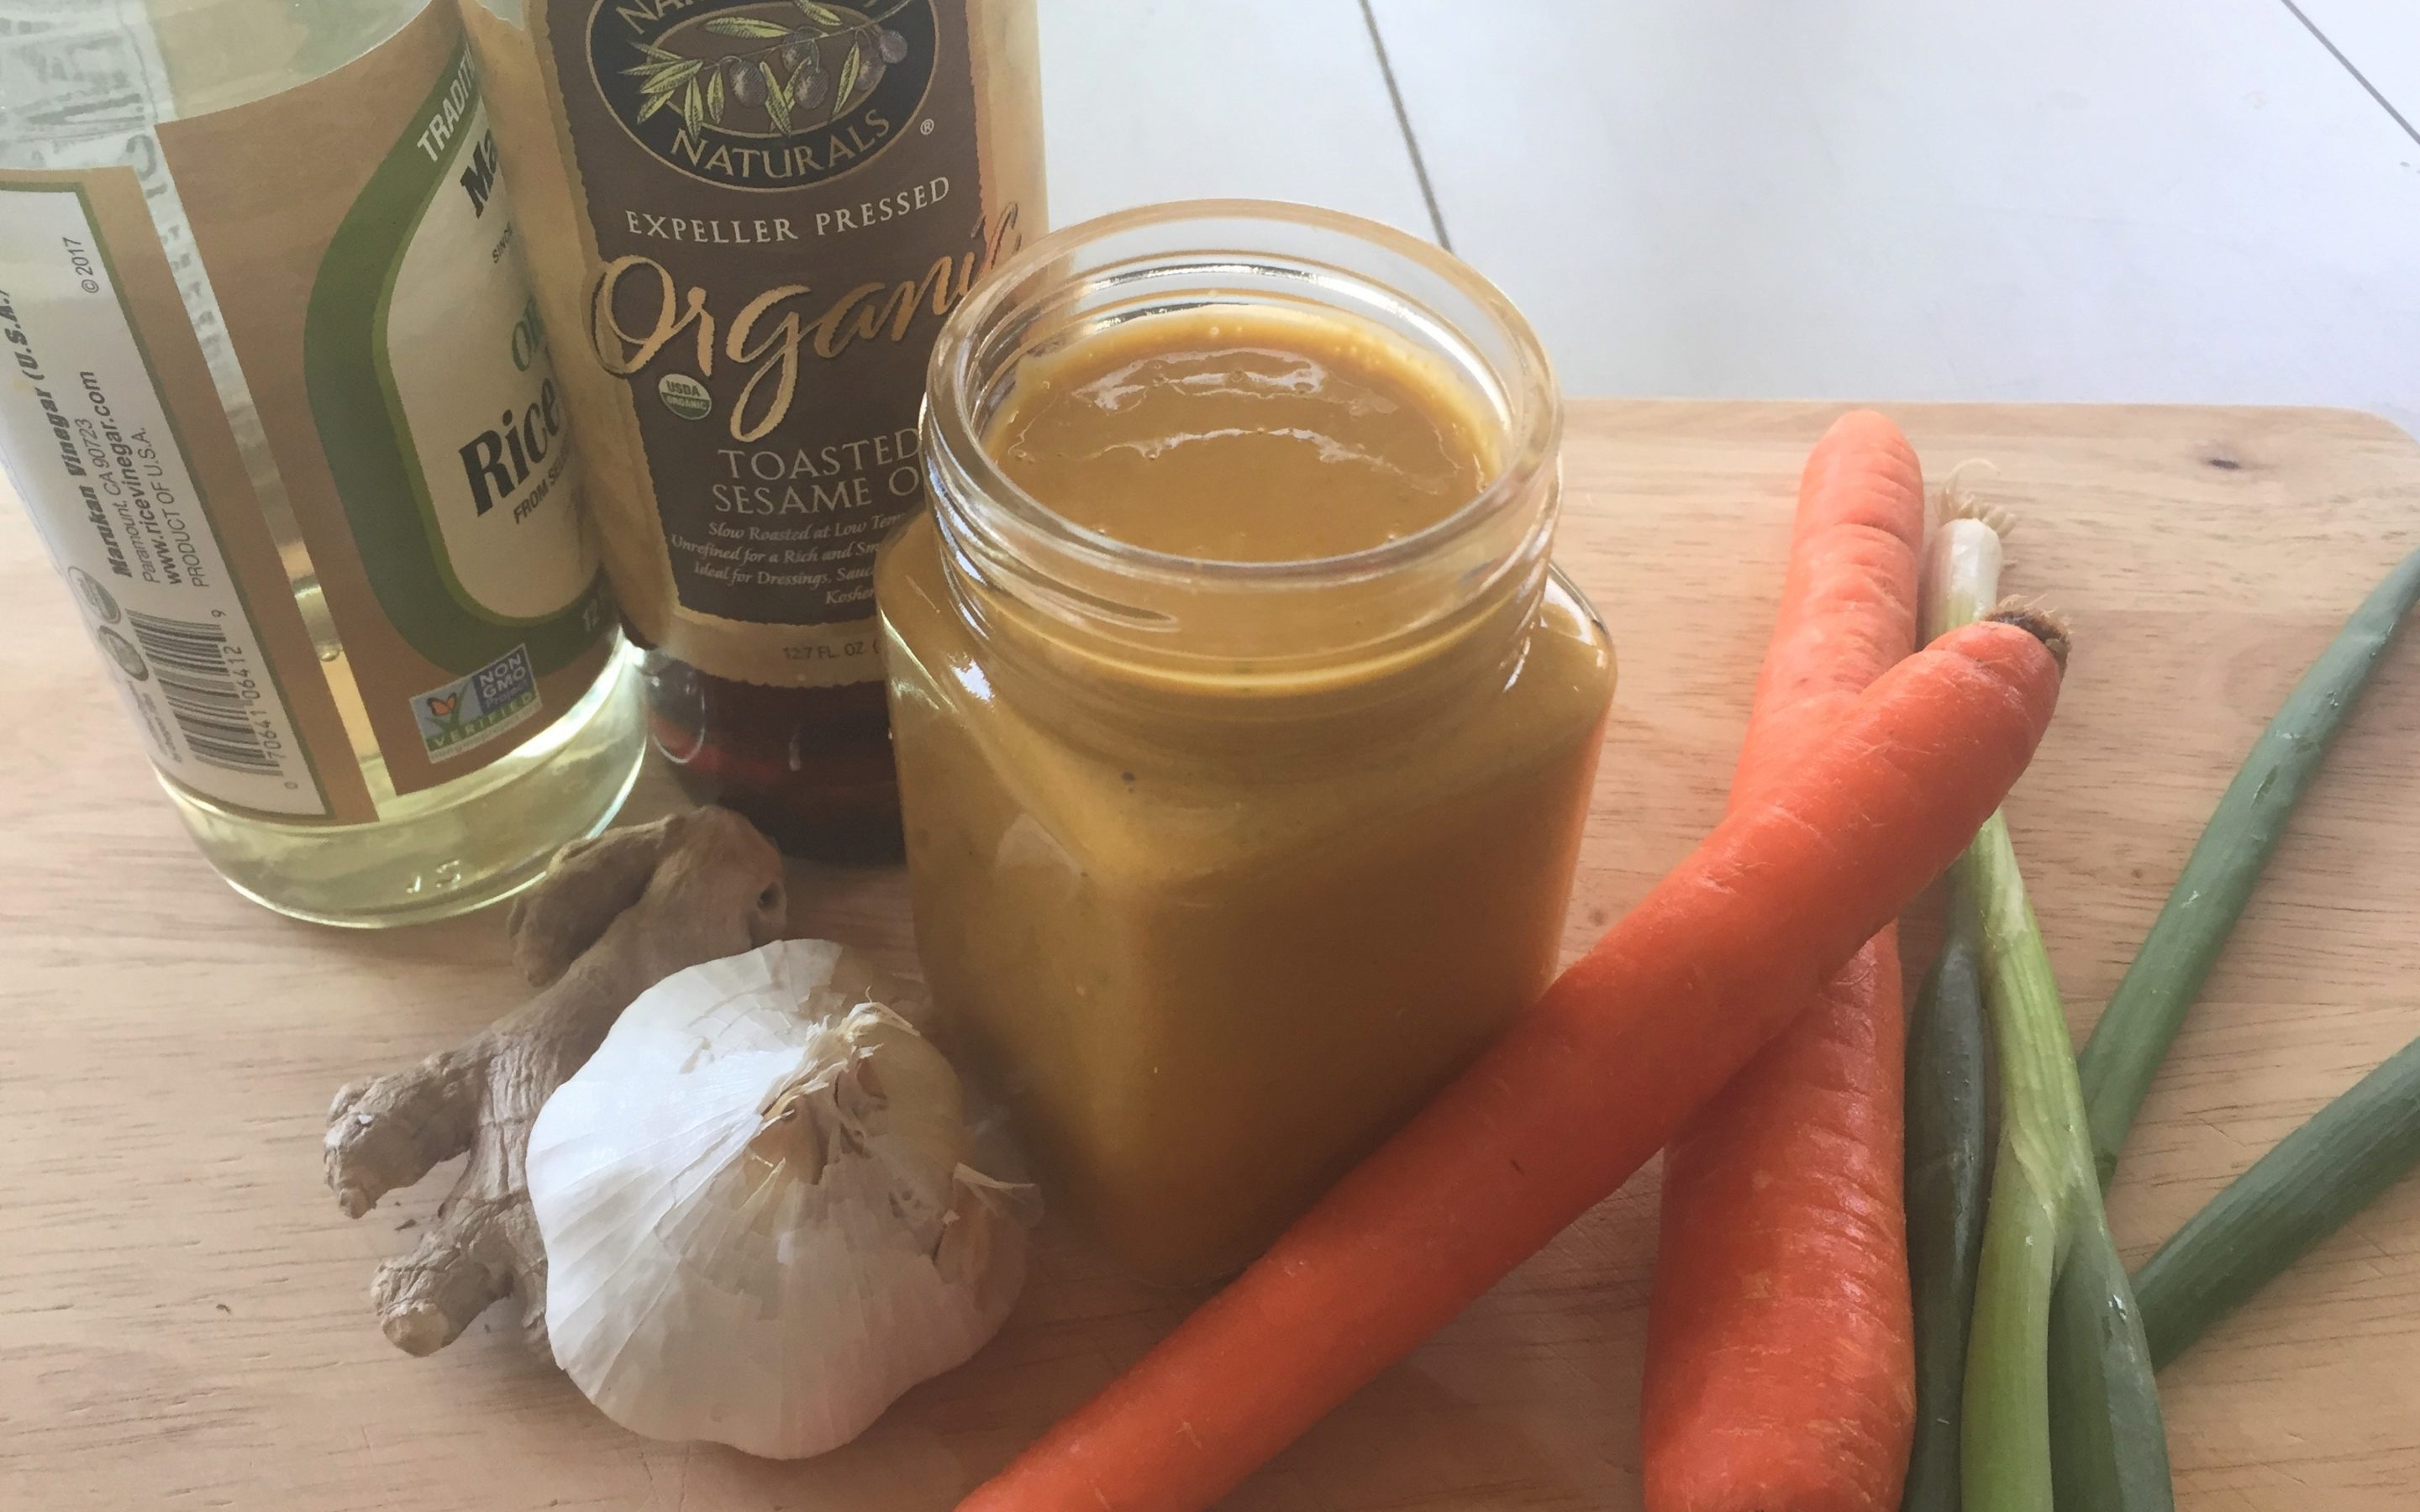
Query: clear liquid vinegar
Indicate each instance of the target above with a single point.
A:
(86, 85)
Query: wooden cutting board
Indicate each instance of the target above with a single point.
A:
(183, 1310)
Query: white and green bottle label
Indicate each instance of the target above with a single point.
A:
(437, 404)
(373, 423)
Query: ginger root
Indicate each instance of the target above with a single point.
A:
(612, 917)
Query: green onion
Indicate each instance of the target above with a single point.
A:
(2054, 1322)
(2149, 1004)
(2293, 1196)
(2109, 1447)
(2005, 1447)
(2051, 1300)
(1948, 1174)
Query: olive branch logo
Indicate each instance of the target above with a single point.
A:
(786, 71)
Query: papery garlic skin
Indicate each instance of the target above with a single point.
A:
(760, 1224)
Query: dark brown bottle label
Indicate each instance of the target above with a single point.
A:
(785, 199)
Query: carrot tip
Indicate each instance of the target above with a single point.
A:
(2045, 625)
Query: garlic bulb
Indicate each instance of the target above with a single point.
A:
(761, 1226)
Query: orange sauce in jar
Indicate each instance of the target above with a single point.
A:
(1238, 832)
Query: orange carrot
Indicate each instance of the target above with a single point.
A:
(1638, 1034)
(1780, 1353)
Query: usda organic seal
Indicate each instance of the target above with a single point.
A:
(685, 396)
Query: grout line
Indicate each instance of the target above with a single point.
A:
(2335, 51)
(1404, 121)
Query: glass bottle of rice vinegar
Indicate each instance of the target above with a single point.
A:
(275, 393)
(747, 219)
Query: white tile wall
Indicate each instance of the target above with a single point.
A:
(2185, 200)
(1152, 99)
(2167, 199)
(2381, 39)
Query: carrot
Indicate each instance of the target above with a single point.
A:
(1633, 1036)
(1780, 1357)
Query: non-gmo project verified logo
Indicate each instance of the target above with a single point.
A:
(473, 710)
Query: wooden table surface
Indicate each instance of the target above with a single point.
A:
(183, 1320)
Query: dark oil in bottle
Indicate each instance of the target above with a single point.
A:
(809, 767)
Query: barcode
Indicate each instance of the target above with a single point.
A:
(188, 661)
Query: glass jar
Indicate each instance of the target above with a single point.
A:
(1223, 868)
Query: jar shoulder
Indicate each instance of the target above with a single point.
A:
(1556, 688)
(1569, 660)
(991, 762)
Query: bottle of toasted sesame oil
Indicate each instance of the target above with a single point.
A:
(755, 214)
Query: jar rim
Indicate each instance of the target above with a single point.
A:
(1533, 416)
